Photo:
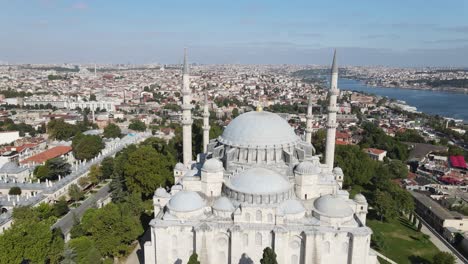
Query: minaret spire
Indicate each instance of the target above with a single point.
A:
(332, 109)
(186, 113)
(206, 124)
(309, 120)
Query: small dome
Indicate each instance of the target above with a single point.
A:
(338, 171)
(259, 181)
(180, 166)
(333, 206)
(307, 167)
(223, 204)
(186, 201)
(359, 198)
(258, 129)
(161, 192)
(292, 207)
(213, 165)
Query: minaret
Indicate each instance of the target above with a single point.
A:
(309, 120)
(332, 109)
(206, 124)
(186, 113)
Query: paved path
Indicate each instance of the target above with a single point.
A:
(66, 223)
(137, 255)
(441, 243)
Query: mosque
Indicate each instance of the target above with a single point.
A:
(258, 185)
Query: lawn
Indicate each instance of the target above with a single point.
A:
(401, 242)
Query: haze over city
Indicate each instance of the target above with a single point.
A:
(392, 33)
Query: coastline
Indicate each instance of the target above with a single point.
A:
(369, 83)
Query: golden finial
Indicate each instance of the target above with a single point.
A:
(259, 106)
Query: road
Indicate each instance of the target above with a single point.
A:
(440, 242)
(66, 223)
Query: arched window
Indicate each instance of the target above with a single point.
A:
(326, 247)
(222, 257)
(258, 216)
(247, 217)
(245, 239)
(270, 218)
(174, 241)
(345, 247)
(258, 239)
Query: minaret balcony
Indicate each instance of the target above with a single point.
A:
(333, 109)
(186, 92)
(187, 122)
(187, 107)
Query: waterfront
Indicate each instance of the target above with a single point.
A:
(454, 105)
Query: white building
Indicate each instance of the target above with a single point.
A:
(259, 185)
(8, 137)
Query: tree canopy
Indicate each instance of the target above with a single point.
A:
(86, 147)
(269, 256)
(443, 258)
(137, 125)
(52, 169)
(112, 131)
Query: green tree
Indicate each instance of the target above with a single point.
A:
(15, 190)
(86, 147)
(52, 169)
(146, 169)
(60, 207)
(235, 112)
(107, 167)
(318, 139)
(398, 169)
(112, 131)
(85, 249)
(32, 241)
(95, 174)
(269, 256)
(75, 192)
(385, 206)
(193, 259)
(357, 167)
(60, 130)
(443, 258)
(92, 97)
(112, 228)
(137, 125)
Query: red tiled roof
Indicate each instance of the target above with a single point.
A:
(458, 161)
(374, 151)
(48, 154)
(343, 135)
(341, 142)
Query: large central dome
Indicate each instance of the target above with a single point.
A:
(258, 129)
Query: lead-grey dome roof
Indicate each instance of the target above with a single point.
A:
(186, 201)
(292, 207)
(333, 206)
(359, 198)
(223, 204)
(307, 167)
(213, 165)
(161, 192)
(258, 181)
(258, 129)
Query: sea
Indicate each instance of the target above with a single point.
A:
(446, 104)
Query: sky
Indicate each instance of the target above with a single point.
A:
(364, 32)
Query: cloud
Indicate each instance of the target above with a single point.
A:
(80, 6)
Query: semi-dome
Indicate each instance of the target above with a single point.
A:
(180, 166)
(332, 206)
(259, 181)
(186, 201)
(338, 171)
(359, 198)
(292, 207)
(223, 204)
(161, 192)
(258, 129)
(213, 165)
(307, 167)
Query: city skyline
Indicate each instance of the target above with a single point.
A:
(393, 33)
